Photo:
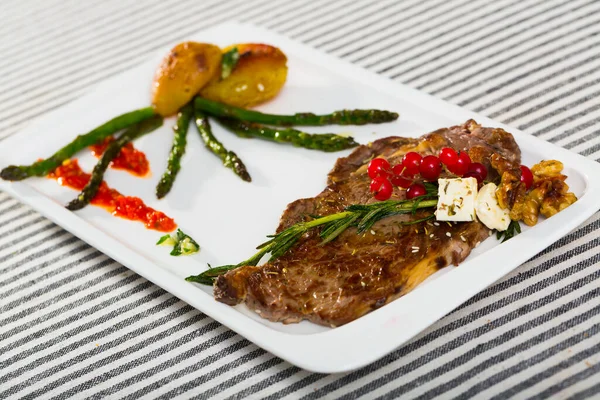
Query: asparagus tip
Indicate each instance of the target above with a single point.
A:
(75, 204)
(162, 189)
(234, 162)
(382, 116)
(245, 176)
(350, 143)
(13, 173)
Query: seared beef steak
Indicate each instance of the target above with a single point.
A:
(352, 275)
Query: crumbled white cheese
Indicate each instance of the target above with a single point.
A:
(456, 199)
(489, 211)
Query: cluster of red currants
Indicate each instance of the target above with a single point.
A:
(405, 175)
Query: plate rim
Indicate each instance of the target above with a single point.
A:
(374, 327)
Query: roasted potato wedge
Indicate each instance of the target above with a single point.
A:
(184, 71)
(257, 77)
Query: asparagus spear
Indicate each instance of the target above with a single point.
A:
(113, 149)
(343, 117)
(361, 216)
(325, 141)
(177, 150)
(43, 167)
(229, 158)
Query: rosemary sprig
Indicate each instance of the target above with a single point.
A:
(360, 216)
(418, 221)
(514, 228)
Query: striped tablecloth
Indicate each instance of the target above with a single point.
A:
(74, 323)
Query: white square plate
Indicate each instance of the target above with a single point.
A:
(229, 217)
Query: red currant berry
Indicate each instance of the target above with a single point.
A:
(378, 167)
(400, 178)
(415, 190)
(473, 174)
(478, 168)
(430, 168)
(448, 156)
(462, 164)
(526, 176)
(411, 162)
(381, 188)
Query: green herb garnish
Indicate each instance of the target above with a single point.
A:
(418, 221)
(229, 61)
(514, 228)
(166, 240)
(432, 188)
(182, 243)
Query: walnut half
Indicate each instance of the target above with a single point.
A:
(511, 191)
(547, 169)
(558, 198)
(533, 202)
(548, 195)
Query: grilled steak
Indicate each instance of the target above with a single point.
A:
(353, 275)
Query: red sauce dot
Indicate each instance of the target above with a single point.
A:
(71, 175)
(129, 159)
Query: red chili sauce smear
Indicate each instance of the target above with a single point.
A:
(71, 175)
(129, 159)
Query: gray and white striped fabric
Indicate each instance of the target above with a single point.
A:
(74, 323)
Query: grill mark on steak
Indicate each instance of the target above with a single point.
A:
(353, 275)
